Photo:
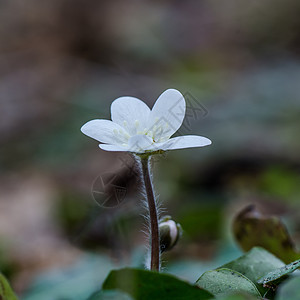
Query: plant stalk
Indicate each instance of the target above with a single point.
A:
(155, 263)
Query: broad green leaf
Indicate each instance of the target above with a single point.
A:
(6, 292)
(252, 229)
(110, 295)
(237, 296)
(273, 278)
(255, 264)
(147, 285)
(224, 281)
(289, 290)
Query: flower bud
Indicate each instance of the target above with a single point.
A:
(169, 233)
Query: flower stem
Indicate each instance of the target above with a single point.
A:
(153, 214)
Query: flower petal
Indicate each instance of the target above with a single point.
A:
(139, 143)
(108, 147)
(186, 141)
(131, 113)
(104, 131)
(167, 114)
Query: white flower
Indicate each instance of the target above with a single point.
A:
(137, 128)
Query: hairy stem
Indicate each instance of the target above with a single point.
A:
(153, 214)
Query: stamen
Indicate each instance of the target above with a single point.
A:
(150, 133)
(121, 136)
(136, 123)
(125, 123)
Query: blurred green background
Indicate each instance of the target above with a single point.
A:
(62, 63)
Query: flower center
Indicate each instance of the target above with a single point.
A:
(158, 131)
(121, 136)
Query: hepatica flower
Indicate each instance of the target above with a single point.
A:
(134, 127)
(137, 128)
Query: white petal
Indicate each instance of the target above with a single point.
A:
(131, 113)
(167, 114)
(187, 141)
(103, 131)
(139, 143)
(108, 147)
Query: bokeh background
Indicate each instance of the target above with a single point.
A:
(62, 63)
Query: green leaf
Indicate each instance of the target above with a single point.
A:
(6, 292)
(255, 264)
(252, 229)
(224, 281)
(273, 278)
(109, 295)
(238, 296)
(147, 285)
(289, 290)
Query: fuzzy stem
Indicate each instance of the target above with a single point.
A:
(153, 214)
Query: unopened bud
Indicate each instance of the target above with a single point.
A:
(169, 233)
